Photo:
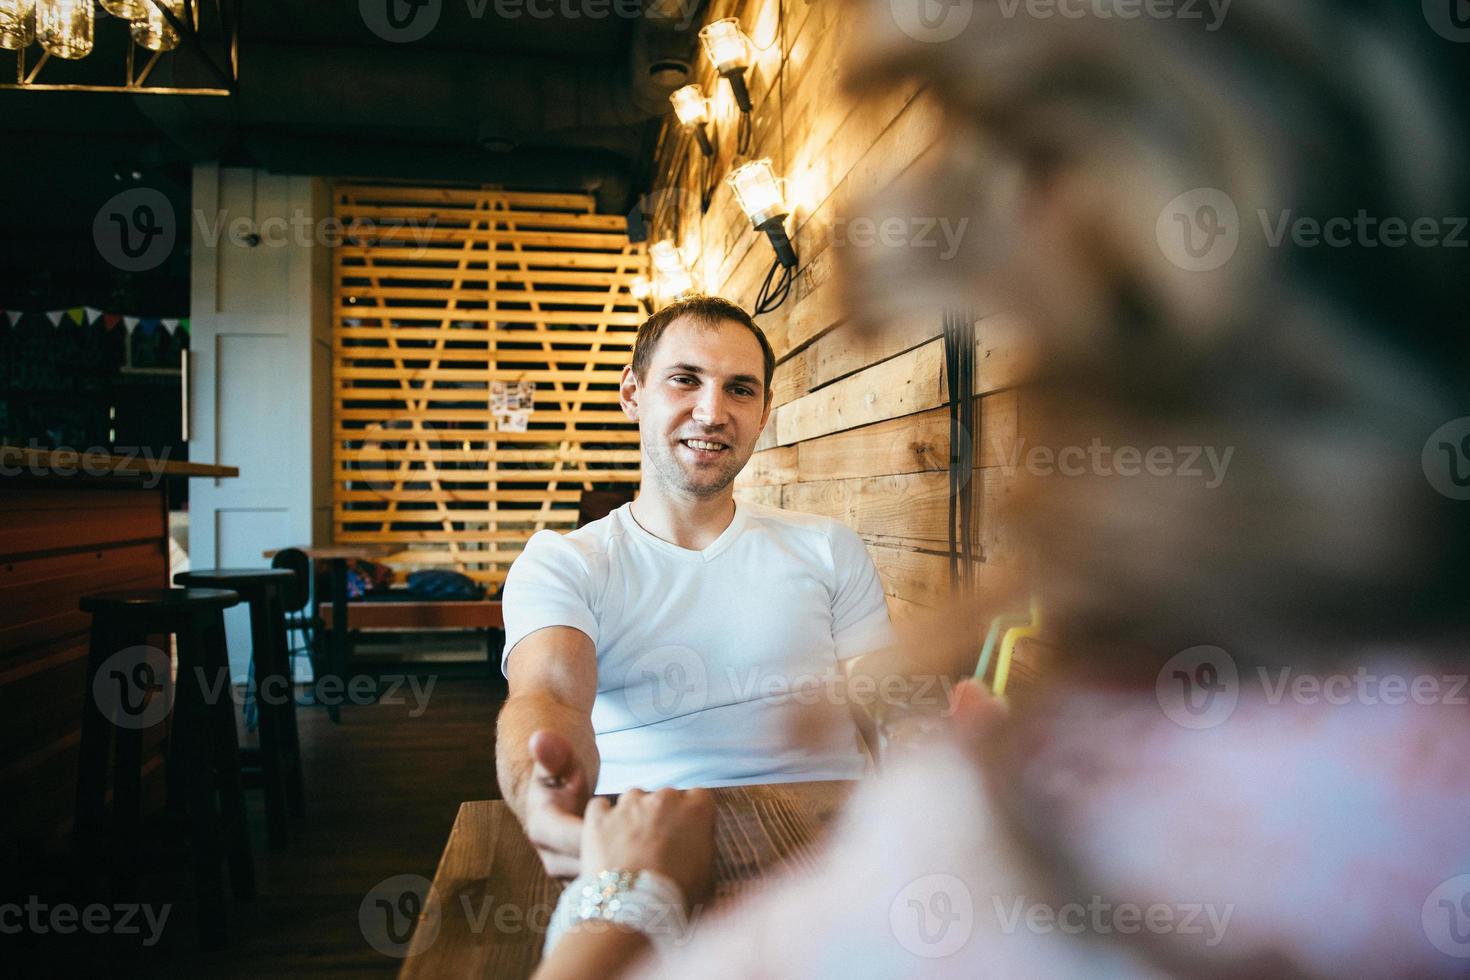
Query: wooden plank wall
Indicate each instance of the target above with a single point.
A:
(859, 430)
(438, 293)
(58, 542)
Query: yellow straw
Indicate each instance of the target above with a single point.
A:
(1008, 648)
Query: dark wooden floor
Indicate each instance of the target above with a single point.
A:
(382, 791)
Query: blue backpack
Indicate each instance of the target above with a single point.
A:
(441, 584)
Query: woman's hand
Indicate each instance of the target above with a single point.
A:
(974, 711)
(670, 832)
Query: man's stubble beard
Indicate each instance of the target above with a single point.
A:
(674, 476)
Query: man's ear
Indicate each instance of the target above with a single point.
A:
(628, 393)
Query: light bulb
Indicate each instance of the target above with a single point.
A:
(726, 45)
(64, 27)
(672, 285)
(671, 276)
(126, 9)
(690, 105)
(17, 23)
(666, 257)
(757, 191)
(153, 31)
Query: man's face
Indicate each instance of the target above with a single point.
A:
(702, 405)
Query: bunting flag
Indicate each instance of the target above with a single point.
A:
(88, 315)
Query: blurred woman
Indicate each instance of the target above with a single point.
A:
(1250, 749)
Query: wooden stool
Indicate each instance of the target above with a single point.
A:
(128, 691)
(280, 750)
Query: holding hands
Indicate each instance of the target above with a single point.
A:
(668, 831)
(671, 832)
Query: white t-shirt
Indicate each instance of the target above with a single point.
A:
(714, 667)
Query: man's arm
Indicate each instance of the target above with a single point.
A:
(545, 750)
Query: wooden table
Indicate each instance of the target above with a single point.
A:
(336, 556)
(487, 913)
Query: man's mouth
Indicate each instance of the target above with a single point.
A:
(705, 447)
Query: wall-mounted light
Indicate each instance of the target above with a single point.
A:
(729, 51)
(692, 108)
(671, 276)
(759, 194)
(641, 289)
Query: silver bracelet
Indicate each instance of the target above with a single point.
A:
(645, 901)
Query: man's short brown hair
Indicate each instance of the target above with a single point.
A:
(706, 311)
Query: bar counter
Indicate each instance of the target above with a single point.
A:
(70, 524)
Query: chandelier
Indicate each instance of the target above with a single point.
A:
(45, 35)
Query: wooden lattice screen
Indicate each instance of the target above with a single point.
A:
(440, 294)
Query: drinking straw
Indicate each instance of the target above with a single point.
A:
(1008, 646)
(1003, 621)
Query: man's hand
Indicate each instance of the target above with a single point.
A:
(556, 795)
(545, 749)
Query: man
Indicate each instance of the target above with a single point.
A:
(661, 645)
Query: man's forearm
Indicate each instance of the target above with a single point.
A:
(522, 716)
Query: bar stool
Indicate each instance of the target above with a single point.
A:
(128, 691)
(280, 751)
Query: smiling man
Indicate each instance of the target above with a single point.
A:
(682, 640)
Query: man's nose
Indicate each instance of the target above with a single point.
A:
(710, 408)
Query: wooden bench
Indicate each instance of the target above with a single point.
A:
(473, 614)
(428, 615)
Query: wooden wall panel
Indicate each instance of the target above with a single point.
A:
(859, 428)
(454, 290)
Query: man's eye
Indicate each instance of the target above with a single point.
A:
(742, 390)
(683, 379)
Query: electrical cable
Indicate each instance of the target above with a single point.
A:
(959, 367)
(773, 291)
(743, 130)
